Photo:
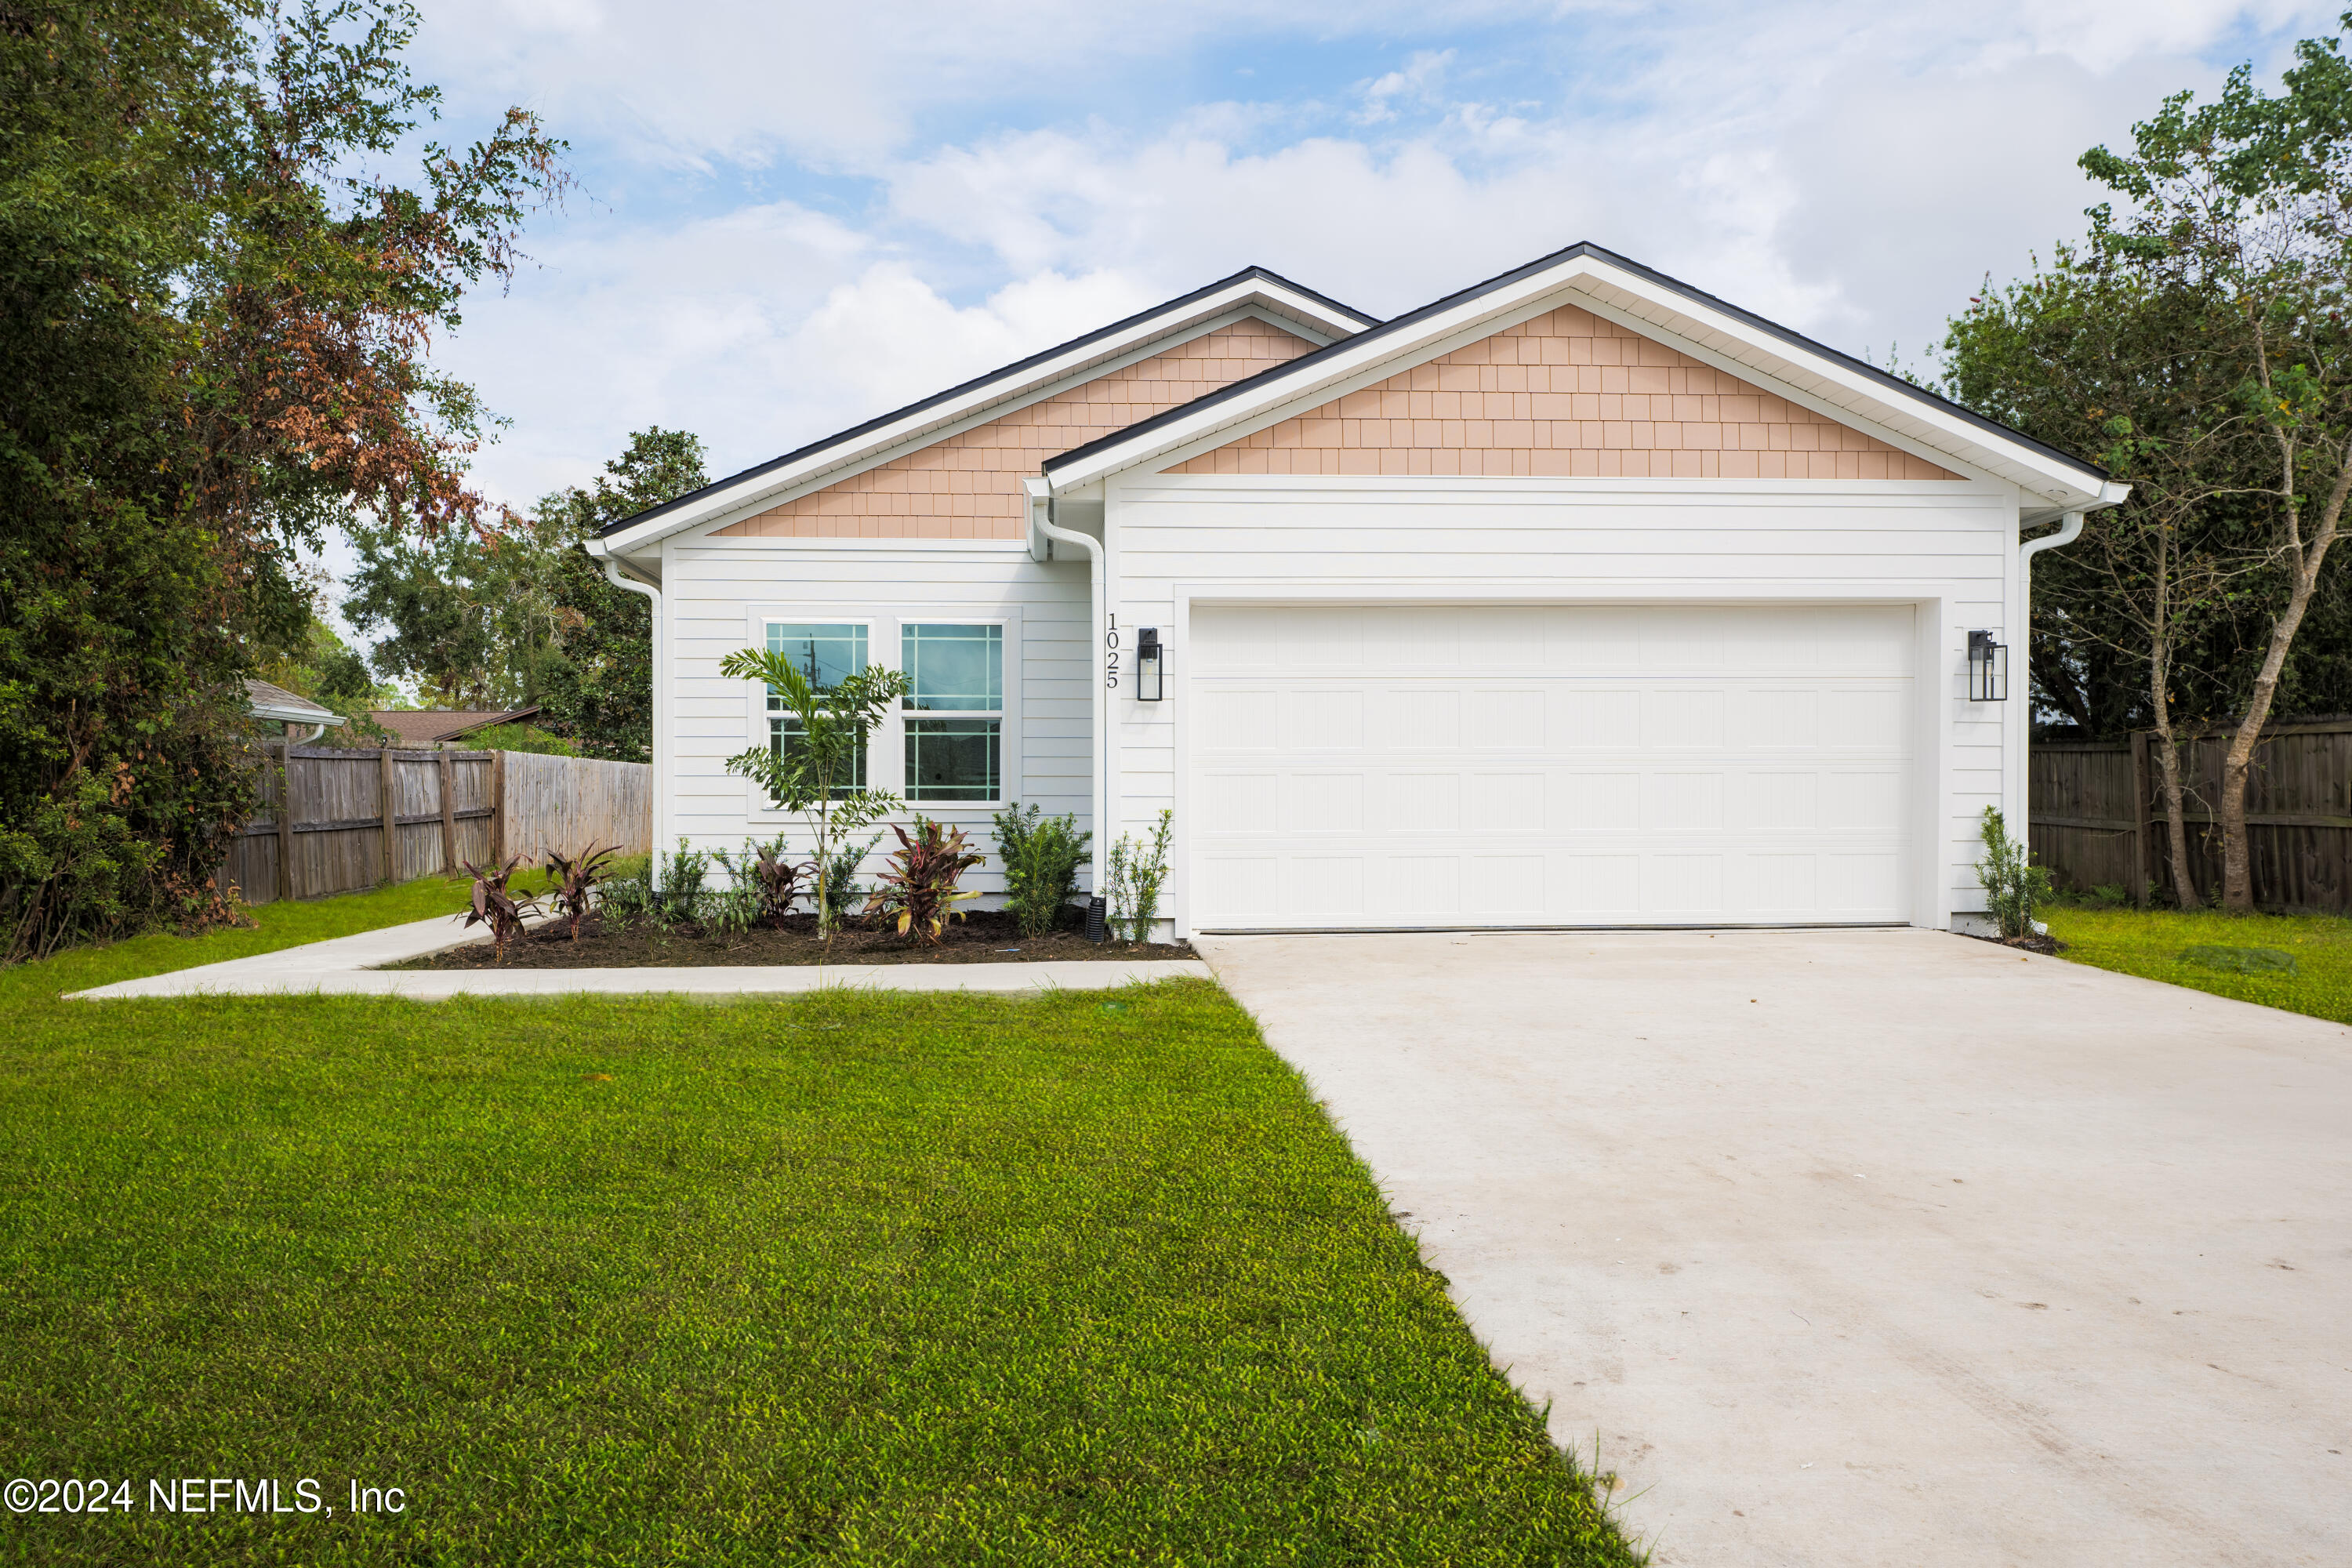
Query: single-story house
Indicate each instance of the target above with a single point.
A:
(1579, 597)
(276, 705)
(421, 729)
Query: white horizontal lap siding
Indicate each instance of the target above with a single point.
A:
(715, 588)
(1953, 544)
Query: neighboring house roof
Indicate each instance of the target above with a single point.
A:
(278, 705)
(1250, 291)
(1640, 300)
(423, 727)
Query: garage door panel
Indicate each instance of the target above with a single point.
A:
(1420, 801)
(1605, 720)
(1682, 802)
(1419, 889)
(1235, 803)
(1598, 888)
(1321, 802)
(1323, 721)
(1682, 641)
(1773, 800)
(1585, 802)
(1775, 718)
(1414, 719)
(1506, 802)
(1239, 717)
(1638, 765)
(1864, 718)
(1325, 889)
(1682, 718)
(1784, 887)
(1596, 639)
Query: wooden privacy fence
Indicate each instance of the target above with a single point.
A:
(333, 821)
(2096, 814)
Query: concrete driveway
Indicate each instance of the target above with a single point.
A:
(1868, 1247)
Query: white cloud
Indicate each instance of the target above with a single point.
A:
(1852, 168)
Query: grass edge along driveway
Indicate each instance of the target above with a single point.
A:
(2149, 944)
(869, 1279)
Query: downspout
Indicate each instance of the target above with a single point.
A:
(654, 710)
(1041, 511)
(2015, 804)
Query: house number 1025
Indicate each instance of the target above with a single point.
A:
(1111, 654)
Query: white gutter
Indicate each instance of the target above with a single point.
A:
(1040, 512)
(2018, 736)
(653, 713)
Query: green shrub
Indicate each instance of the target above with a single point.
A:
(839, 877)
(2013, 886)
(1041, 856)
(519, 738)
(682, 879)
(1137, 872)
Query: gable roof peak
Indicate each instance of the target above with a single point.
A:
(1645, 300)
(1316, 317)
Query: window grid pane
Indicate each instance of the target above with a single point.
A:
(953, 759)
(953, 669)
(827, 654)
(782, 731)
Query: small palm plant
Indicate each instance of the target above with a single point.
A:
(807, 772)
(919, 886)
(495, 905)
(575, 878)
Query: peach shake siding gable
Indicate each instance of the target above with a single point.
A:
(969, 485)
(1565, 394)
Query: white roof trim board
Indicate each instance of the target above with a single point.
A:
(1253, 291)
(1810, 374)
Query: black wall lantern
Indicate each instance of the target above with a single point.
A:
(1987, 669)
(1149, 685)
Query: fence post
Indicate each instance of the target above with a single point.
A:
(497, 808)
(2141, 831)
(448, 816)
(286, 818)
(388, 799)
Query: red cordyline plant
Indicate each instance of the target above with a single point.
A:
(919, 884)
(779, 877)
(494, 906)
(575, 877)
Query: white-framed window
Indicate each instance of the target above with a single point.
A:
(951, 745)
(827, 652)
(956, 671)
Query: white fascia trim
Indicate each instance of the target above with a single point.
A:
(278, 713)
(1822, 384)
(1251, 298)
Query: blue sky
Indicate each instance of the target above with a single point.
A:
(792, 217)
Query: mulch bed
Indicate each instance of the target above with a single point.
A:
(985, 936)
(2048, 946)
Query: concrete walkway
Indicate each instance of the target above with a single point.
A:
(1881, 1248)
(350, 965)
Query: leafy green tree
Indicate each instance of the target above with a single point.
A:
(214, 306)
(2197, 345)
(2248, 201)
(808, 772)
(519, 613)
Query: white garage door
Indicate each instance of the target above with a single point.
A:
(1458, 765)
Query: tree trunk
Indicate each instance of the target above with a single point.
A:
(2237, 868)
(2176, 824)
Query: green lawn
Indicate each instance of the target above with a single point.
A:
(1081, 1279)
(2150, 943)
